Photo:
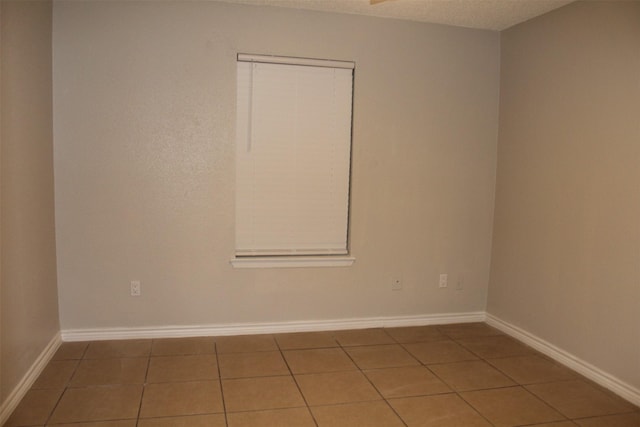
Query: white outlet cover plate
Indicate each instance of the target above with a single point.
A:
(135, 288)
(443, 281)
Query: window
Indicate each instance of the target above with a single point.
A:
(293, 147)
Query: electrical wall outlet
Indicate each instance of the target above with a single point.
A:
(396, 284)
(135, 288)
(443, 281)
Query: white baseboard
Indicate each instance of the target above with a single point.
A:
(608, 381)
(267, 328)
(14, 398)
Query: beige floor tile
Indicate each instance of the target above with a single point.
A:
(56, 374)
(35, 408)
(252, 394)
(512, 406)
(118, 349)
(471, 375)
(443, 410)
(465, 330)
(246, 365)
(70, 351)
(439, 352)
(105, 380)
(406, 381)
(291, 417)
(495, 347)
(182, 346)
(532, 369)
(92, 372)
(381, 356)
(578, 399)
(118, 423)
(101, 403)
(416, 334)
(336, 387)
(246, 344)
(366, 414)
(184, 398)
(210, 420)
(305, 340)
(363, 337)
(318, 360)
(555, 424)
(622, 420)
(193, 367)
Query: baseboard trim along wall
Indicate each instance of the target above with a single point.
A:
(16, 395)
(98, 334)
(595, 374)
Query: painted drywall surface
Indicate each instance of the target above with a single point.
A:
(28, 287)
(144, 101)
(1, 49)
(566, 246)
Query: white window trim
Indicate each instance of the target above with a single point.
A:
(292, 262)
(268, 59)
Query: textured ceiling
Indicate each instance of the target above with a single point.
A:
(483, 14)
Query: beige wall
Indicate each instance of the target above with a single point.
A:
(29, 311)
(144, 99)
(566, 246)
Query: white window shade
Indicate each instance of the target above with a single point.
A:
(292, 159)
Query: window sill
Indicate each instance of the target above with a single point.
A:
(292, 262)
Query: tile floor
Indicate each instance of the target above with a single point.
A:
(462, 375)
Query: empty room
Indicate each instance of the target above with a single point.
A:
(320, 213)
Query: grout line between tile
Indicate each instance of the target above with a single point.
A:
(68, 384)
(224, 404)
(474, 408)
(385, 400)
(295, 381)
(144, 389)
(55, 407)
